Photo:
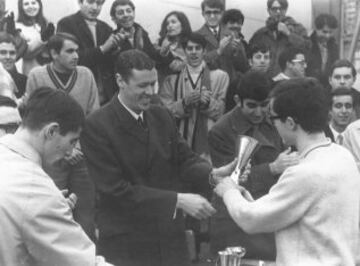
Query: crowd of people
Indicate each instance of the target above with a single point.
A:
(109, 140)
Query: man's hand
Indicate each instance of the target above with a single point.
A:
(205, 97)
(223, 43)
(112, 42)
(70, 199)
(165, 46)
(75, 157)
(192, 99)
(227, 184)
(195, 205)
(283, 161)
(281, 27)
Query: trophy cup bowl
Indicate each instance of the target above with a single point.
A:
(246, 147)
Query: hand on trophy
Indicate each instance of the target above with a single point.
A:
(228, 184)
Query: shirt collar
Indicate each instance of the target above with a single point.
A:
(312, 147)
(21, 147)
(133, 114)
(334, 132)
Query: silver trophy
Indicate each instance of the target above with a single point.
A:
(246, 147)
(231, 256)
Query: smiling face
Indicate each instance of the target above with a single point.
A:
(31, 8)
(194, 54)
(91, 9)
(7, 55)
(66, 60)
(124, 16)
(173, 26)
(137, 91)
(341, 110)
(254, 111)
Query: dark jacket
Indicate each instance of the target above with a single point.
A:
(90, 55)
(222, 142)
(20, 82)
(137, 175)
(313, 68)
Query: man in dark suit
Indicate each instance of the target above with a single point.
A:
(141, 166)
(96, 44)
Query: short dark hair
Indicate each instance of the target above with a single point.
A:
(46, 105)
(233, 15)
(7, 38)
(283, 3)
(132, 59)
(117, 3)
(323, 20)
(83, 1)
(257, 47)
(56, 41)
(195, 38)
(342, 63)
(288, 54)
(341, 91)
(254, 85)
(185, 26)
(6, 101)
(304, 100)
(212, 4)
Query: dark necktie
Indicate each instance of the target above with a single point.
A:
(216, 34)
(141, 122)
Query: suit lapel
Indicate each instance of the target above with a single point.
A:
(209, 36)
(127, 121)
(84, 28)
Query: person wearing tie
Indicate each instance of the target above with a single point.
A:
(341, 114)
(141, 172)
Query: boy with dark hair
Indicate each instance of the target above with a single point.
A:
(8, 55)
(324, 50)
(292, 63)
(33, 211)
(305, 193)
(96, 44)
(259, 56)
(248, 118)
(65, 75)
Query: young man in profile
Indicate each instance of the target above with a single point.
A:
(314, 207)
(36, 222)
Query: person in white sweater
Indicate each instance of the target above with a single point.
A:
(314, 207)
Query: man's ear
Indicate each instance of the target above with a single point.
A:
(291, 124)
(53, 54)
(51, 130)
(250, 62)
(119, 80)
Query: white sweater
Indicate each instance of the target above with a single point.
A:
(313, 209)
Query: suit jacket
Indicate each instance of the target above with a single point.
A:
(137, 174)
(314, 61)
(222, 142)
(231, 61)
(328, 133)
(90, 55)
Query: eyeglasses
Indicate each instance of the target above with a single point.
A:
(277, 9)
(214, 12)
(301, 62)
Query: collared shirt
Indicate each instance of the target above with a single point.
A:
(36, 225)
(337, 135)
(133, 114)
(281, 76)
